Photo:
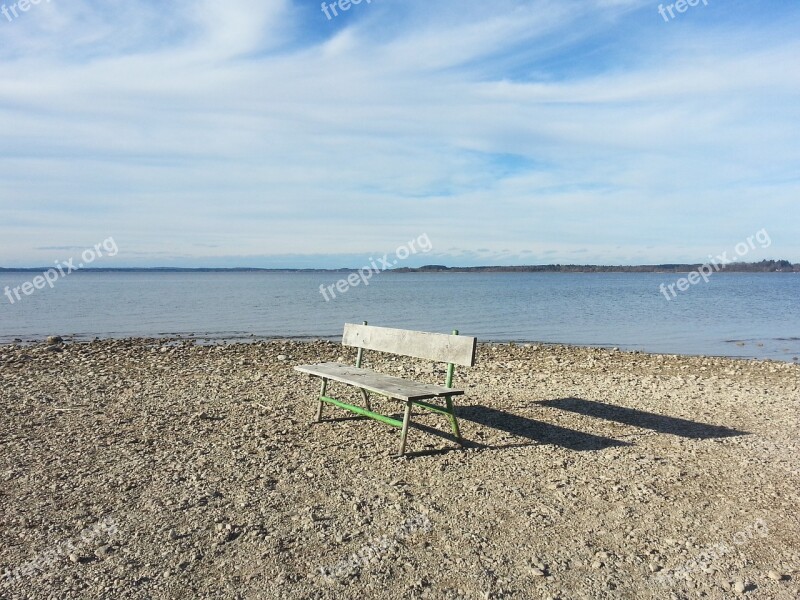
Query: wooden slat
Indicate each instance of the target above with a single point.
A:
(393, 387)
(440, 347)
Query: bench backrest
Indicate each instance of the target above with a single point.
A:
(439, 347)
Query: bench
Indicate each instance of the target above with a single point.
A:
(451, 349)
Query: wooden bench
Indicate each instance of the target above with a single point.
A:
(451, 349)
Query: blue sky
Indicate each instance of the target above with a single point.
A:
(262, 133)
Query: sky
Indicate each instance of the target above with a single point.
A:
(264, 133)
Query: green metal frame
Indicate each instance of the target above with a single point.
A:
(448, 409)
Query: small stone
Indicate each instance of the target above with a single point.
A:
(537, 572)
(654, 567)
(54, 339)
(739, 587)
(282, 357)
(74, 558)
(103, 551)
(775, 575)
(597, 564)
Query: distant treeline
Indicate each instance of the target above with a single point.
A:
(765, 266)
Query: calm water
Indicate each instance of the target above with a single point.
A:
(734, 314)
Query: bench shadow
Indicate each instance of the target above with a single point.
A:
(538, 432)
(534, 431)
(639, 418)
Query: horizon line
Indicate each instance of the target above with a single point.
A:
(424, 268)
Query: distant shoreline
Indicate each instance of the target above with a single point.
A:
(764, 266)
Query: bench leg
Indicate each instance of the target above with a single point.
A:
(453, 420)
(367, 403)
(404, 431)
(322, 390)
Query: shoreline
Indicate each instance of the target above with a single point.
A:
(255, 339)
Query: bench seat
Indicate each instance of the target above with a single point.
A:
(386, 385)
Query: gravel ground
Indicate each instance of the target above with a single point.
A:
(164, 469)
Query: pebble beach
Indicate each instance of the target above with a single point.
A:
(162, 468)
